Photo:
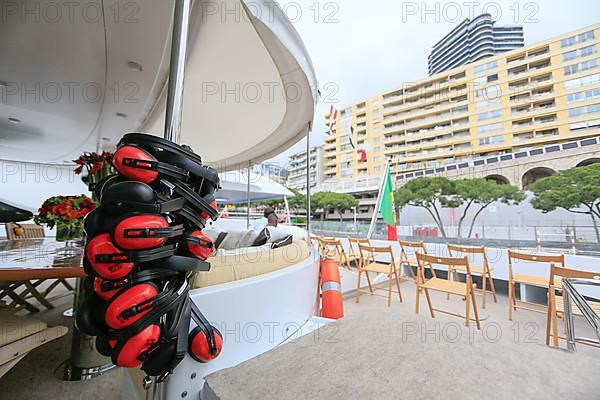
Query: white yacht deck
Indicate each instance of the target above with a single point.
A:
(372, 353)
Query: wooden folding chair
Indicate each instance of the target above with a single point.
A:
(411, 262)
(333, 249)
(19, 335)
(15, 231)
(514, 278)
(556, 301)
(354, 252)
(464, 289)
(29, 232)
(485, 271)
(369, 263)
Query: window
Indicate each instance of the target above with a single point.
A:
(346, 165)
(377, 159)
(489, 115)
(582, 37)
(571, 55)
(587, 51)
(490, 128)
(571, 69)
(377, 169)
(594, 108)
(574, 97)
(574, 112)
(491, 140)
(570, 41)
(586, 80)
(584, 66)
(377, 149)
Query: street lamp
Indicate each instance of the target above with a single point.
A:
(354, 211)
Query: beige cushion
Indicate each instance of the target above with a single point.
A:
(14, 327)
(230, 266)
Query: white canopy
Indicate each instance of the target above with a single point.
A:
(79, 84)
(235, 185)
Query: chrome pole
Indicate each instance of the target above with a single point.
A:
(181, 22)
(248, 197)
(308, 183)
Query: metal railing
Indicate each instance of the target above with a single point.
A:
(571, 294)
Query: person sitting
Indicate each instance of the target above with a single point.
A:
(260, 224)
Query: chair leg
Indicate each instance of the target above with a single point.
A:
(555, 322)
(549, 318)
(475, 311)
(510, 300)
(483, 288)
(492, 287)
(450, 273)
(418, 290)
(38, 296)
(429, 303)
(398, 285)
(369, 282)
(20, 301)
(389, 290)
(468, 308)
(358, 287)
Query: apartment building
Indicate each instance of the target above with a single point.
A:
(544, 93)
(296, 178)
(473, 40)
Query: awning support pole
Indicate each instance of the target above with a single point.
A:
(179, 40)
(248, 197)
(308, 183)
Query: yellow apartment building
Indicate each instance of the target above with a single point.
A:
(548, 92)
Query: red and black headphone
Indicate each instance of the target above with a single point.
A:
(203, 179)
(139, 164)
(205, 340)
(197, 244)
(206, 206)
(122, 196)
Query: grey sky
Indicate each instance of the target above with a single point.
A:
(381, 44)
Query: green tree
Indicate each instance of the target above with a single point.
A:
(330, 201)
(479, 194)
(576, 190)
(427, 193)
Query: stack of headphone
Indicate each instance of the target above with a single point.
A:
(143, 243)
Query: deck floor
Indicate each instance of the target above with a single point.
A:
(377, 352)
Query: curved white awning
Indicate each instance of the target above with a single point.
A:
(249, 86)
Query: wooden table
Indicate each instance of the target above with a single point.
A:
(30, 262)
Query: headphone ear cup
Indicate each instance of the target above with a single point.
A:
(127, 352)
(123, 163)
(162, 359)
(127, 192)
(105, 183)
(199, 347)
(203, 249)
(113, 270)
(102, 292)
(141, 223)
(88, 316)
(105, 346)
(127, 299)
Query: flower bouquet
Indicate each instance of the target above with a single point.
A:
(98, 166)
(66, 213)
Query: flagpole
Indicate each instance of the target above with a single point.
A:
(378, 203)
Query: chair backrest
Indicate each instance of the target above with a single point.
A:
(551, 259)
(354, 251)
(430, 260)
(331, 247)
(563, 272)
(460, 250)
(413, 246)
(16, 231)
(368, 254)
